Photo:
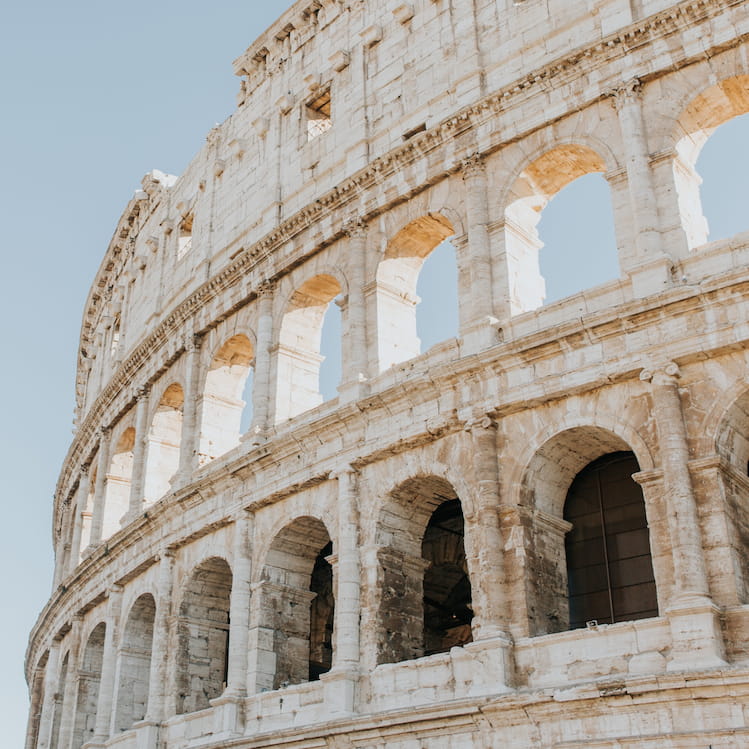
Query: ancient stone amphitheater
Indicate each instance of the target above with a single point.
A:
(535, 534)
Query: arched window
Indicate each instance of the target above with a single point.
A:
(298, 605)
(135, 664)
(580, 225)
(609, 566)
(299, 347)
(89, 678)
(164, 443)
(202, 659)
(117, 499)
(397, 277)
(425, 590)
(223, 403)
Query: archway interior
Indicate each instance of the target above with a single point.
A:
(226, 398)
(397, 277)
(164, 440)
(89, 679)
(135, 664)
(117, 497)
(203, 654)
(609, 566)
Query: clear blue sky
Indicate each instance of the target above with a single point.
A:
(94, 96)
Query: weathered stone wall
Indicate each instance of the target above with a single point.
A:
(199, 564)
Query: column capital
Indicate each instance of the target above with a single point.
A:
(473, 166)
(626, 93)
(480, 424)
(665, 374)
(103, 433)
(192, 342)
(266, 289)
(355, 227)
(345, 470)
(142, 392)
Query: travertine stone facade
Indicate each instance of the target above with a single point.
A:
(401, 566)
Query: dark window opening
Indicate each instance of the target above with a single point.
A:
(609, 567)
(319, 118)
(322, 610)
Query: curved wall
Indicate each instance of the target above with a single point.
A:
(279, 580)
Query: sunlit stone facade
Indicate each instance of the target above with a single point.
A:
(533, 535)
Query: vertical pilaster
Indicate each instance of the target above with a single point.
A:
(262, 396)
(80, 509)
(188, 451)
(50, 697)
(137, 484)
(100, 489)
(67, 720)
(104, 707)
(694, 621)
(158, 677)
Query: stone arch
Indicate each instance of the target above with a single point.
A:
(135, 663)
(397, 274)
(203, 635)
(89, 679)
(298, 357)
(164, 439)
(714, 106)
(37, 700)
(548, 482)
(222, 403)
(424, 586)
(546, 172)
(60, 702)
(119, 477)
(298, 605)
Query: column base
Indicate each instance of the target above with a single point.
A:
(228, 715)
(697, 640)
(340, 691)
(485, 665)
(254, 436)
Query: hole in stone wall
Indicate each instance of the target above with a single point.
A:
(318, 112)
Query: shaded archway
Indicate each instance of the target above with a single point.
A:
(203, 635)
(135, 664)
(89, 679)
(119, 476)
(397, 277)
(536, 185)
(222, 402)
(164, 439)
(299, 346)
(425, 591)
(298, 604)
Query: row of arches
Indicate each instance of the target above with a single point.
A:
(425, 582)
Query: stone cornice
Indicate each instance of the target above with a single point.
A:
(245, 260)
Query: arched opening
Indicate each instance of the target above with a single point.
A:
(299, 347)
(203, 654)
(331, 366)
(59, 706)
(135, 664)
(725, 101)
(224, 403)
(164, 440)
(397, 277)
(117, 498)
(425, 589)
(37, 700)
(560, 525)
(437, 294)
(89, 679)
(586, 236)
(609, 566)
(298, 605)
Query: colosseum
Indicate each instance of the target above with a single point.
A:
(533, 534)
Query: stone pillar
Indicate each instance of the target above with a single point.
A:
(105, 705)
(50, 697)
(355, 353)
(656, 275)
(67, 721)
(100, 490)
(694, 618)
(262, 395)
(137, 484)
(157, 681)
(188, 451)
(80, 517)
(482, 321)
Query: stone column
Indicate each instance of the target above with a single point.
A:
(80, 514)
(105, 705)
(262, 396)
(67, 721)
(694, 621)
(157, 681)
(628, 103)
(188, 451)
(50, 697)
(137, 484)
(482, 315)
(100, 489)
(355, 353)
